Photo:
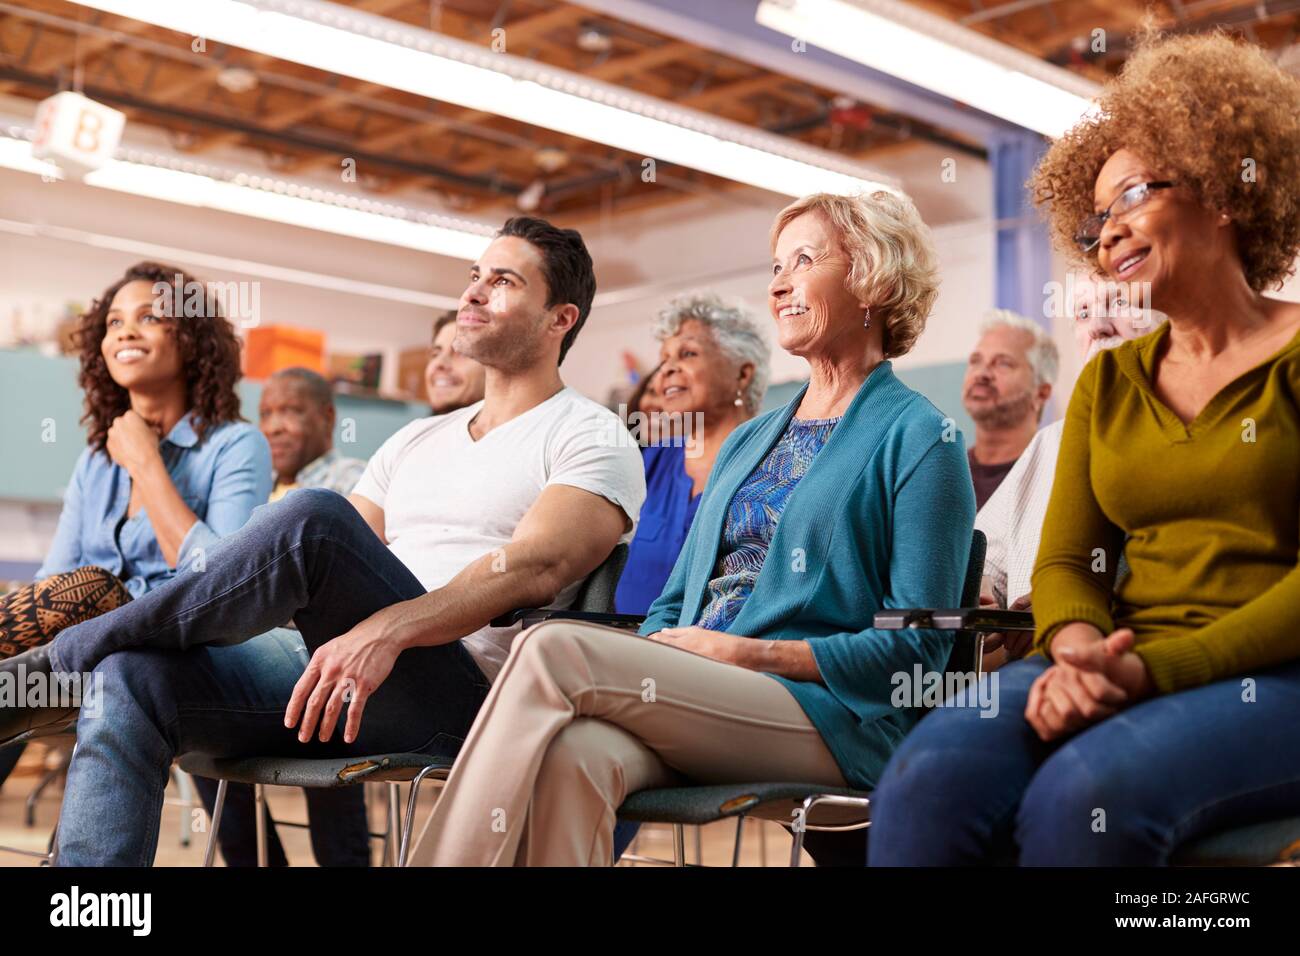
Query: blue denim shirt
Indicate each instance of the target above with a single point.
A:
(221, 479)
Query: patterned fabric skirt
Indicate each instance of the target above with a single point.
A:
(35, 613)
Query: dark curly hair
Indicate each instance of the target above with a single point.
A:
(1196, 107)
(209, 352)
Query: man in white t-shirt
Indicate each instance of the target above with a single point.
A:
(510, 502)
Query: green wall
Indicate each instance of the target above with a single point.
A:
(40, 400)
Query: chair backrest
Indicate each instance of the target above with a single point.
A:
(967, 644)
(597, 592)
(970, 589)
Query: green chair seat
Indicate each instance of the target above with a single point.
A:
(695, 806)
(1258, 844)
(300, 772)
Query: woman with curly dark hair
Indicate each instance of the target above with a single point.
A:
(170, 467)
(1160, 706)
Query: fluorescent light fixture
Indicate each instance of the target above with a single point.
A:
(17, 154)
(936, 54)
(341, 40)
(264, 197)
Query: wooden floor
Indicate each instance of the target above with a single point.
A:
(190, 822)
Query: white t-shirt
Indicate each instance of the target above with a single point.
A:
(448, 499)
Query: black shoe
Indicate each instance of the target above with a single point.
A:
(18, 721)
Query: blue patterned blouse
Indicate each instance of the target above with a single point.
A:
(752, 518)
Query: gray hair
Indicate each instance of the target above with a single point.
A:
(1042, 353)
(734, 329)
(313, 383)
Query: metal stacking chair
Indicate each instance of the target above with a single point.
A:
(393, 769)
(798, 806)
(837, 809)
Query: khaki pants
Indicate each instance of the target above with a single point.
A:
(581, 716)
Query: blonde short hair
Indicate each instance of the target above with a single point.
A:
(894, 266)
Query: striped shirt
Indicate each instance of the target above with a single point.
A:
(331, 471)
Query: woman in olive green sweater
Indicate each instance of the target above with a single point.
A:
(1164, 705)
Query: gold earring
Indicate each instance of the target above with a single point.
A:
(867, 324)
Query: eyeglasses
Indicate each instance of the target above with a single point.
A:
(1089, 233)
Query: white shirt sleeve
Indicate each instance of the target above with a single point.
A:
(378, 476)
(994, 521)
(589, 457)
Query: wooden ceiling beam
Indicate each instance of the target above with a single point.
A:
(290, 116)
(77, 49)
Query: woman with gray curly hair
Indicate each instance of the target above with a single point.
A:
(713, 367)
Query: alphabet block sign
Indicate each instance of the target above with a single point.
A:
(76, 133)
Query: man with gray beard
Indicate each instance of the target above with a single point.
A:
(1008, 380)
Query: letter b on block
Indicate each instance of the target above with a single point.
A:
(76, 133)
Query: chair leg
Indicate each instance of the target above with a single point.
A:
(679, 845)
(52, 856)
(740, 831)
(65, 757)
(796, 847)
(210, 851)
(698, 833)
(797, 831)
(405, 847)
(52, 849)
(394, 823)
(186, 789)
(259, 808)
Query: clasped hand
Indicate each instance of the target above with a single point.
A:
(1091, 679)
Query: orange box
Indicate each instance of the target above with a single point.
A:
(270, 348)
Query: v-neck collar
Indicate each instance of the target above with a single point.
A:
(469, 435)
(879, 401)
(1138, 365)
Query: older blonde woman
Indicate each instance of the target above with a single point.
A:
(1160, 707)
(756, 661)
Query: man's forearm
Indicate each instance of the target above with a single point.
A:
(505, 579)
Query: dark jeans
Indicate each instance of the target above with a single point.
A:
(966, 789)
(336, 817)
(166, 689)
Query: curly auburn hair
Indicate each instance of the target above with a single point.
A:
(1195, 107)
(209, 352)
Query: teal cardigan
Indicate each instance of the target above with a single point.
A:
(882, 518)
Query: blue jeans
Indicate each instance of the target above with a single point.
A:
(965, 789)
(168, 689)
(336, 817)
